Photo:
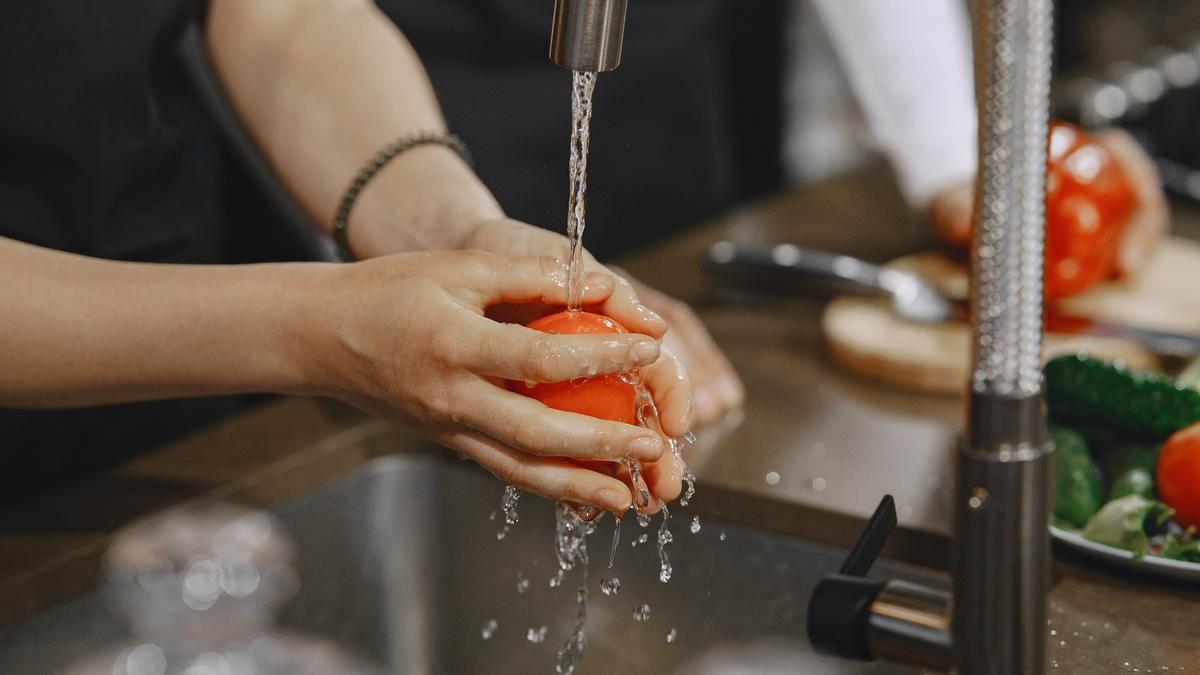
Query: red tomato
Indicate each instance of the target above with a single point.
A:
(1088, 200)
(1178, 475)
(605, 396)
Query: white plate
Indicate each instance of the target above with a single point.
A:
(1162, 567)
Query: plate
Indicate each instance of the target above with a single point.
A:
(1160, 567)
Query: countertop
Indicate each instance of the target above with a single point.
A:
(835, 442)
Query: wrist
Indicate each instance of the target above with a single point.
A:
(427, 198)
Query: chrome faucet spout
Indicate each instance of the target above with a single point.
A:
(587, 35)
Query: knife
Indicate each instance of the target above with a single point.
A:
(791, 268)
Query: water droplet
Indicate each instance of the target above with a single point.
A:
(642, 614)
(665, 571)
(488, 629)
(530, 384)
(640, 539)
(671, 634)
(522, 583)
(695, 526)
(721, 536)
(643, 520)
(492, 515)
(610, 586)
(772, 478)
(536, 635)
(1053, 632)
(818, 484)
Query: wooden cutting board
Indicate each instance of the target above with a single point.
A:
(864, 336)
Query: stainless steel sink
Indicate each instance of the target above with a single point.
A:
(400, 562)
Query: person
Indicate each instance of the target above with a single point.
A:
(99, 164)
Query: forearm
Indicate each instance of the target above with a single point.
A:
(81, 331)
(910, 67)
(323, 85)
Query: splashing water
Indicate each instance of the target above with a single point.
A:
(536, 635)
(570, 544)
(695, 526)
(610, 586)
(642, 614)
(582, 86)
(508, 504)
(643, 521)
(640, 539)
(721, 536)
(664, 539)
(616, 540)
(671, 635)
(522, 583)
(488, 629)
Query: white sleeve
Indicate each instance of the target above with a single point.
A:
(909, 65)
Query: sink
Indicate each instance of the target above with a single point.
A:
(400, 563)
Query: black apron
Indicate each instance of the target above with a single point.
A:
(104, 151)
(661, 145)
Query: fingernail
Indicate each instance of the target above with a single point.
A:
(597, 279)
(611, 500)
(646, 448)
(645, 352)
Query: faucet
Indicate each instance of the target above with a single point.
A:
(587, 34)
(995, 621)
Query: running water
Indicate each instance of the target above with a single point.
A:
(616, 540)
(570, 544)
(582, 86)
(508, 504)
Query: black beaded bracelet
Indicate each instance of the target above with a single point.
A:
(388, 153)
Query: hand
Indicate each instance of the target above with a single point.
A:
(950, 211)
(405, 336)
(716, 387)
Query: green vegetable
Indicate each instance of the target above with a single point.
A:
(1126, 523)
(1129, 469)
(1141, 405)
(1182, 546)
(1077, 489)
(1136, 481)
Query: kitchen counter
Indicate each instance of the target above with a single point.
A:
(811, 454)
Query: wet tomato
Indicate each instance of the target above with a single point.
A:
(604, 396)
(1088, 200)
(1178, 475)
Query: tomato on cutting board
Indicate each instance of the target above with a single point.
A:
(604, 396)
(1178, 475)
(1088, 200)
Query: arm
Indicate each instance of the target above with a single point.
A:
(909, 64)
(404, 336)
(323, 85)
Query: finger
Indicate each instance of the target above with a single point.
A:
(524, 279)
(715, 386)
(532, 427)
(518, 353)
(668, 383)
(1148, 224)
(624, 306)
(950, 212)
(644, 500)
(665, 477)
(554, 479)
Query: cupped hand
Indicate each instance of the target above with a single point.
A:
(406, 337)
(716, 387)
(950, 210)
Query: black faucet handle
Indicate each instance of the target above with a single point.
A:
(840, 607)
(871, 541)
